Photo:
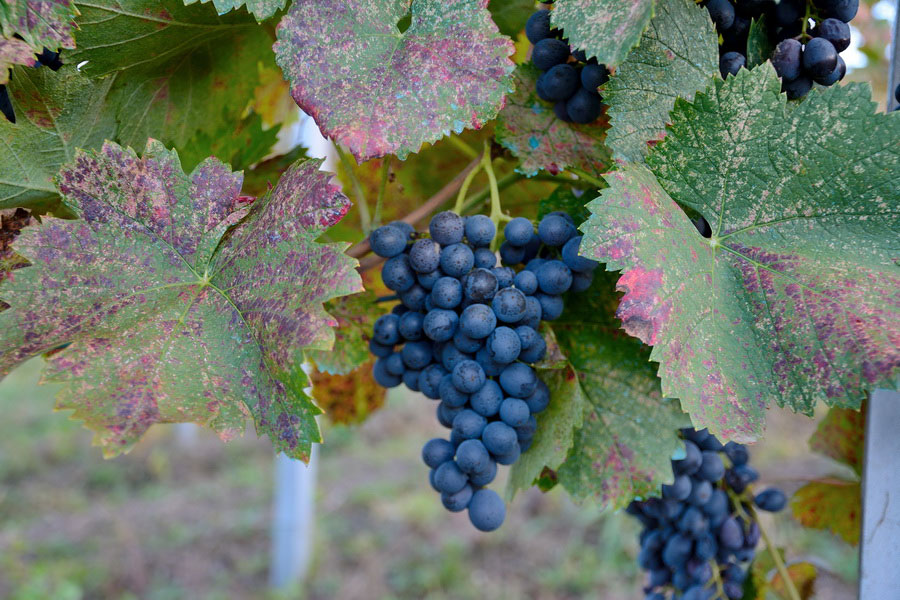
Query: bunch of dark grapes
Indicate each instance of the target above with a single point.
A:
(466, 333)
(699, 537)
(569, 80)
(808, 36)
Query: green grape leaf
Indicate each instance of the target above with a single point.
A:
(380, 91)
(678, 55)
(612, 458)
(177, 69)
(529, 129)
(759, 44)
(832, 504)
(511, 15)
(264, 176)
(841, 436)
(40, 23)
(14, 52)
(55, 114)
(240, 144)
(171, 301)
(786, 300)
(356, 315)
(605, 29)
(261, 9)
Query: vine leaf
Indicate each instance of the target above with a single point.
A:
(176, 69)
(678, 56)
(261, 9)
(841, 437)
(240, 144)
(511, 15)
(356, 316)
(606, 29)
(528, 128)
(351, 398)
(14, 52)
(830, 504)
(759, 44)
(803, 577)
(380, 91)
(786, 300)
(170, 301)
(55, 114)
(40, 23)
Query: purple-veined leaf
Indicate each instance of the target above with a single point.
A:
(172, 301)
(14, 52)
(605, 29)
(794, 298)
(380, 91)
(40, 23)
(529, 129)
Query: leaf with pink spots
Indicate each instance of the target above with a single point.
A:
(606, 29)
(40, 23)
(172, 300)
(14, 52)
(794, 298)
(380, 91)
(529, 129)
(261, 9)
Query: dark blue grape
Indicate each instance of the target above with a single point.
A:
(581, 281)
(712, 468)
(382, 376)
(410, 326)
(484, 477)
(533, 312)
(680, 489)
(526, 282)
(457, 260)
(399, 310)
(538, 27)
(509, 305)
(397, 274)
(416, 355)
(558, 83)
(431, 480)
(551, 306)
(486, 401)
(481, 285)
(449, 395)
(388, 241)
(411, 379)
(511, 255)
(499, 438)
(430, 380)
(451, 356)
(549, 52)
(734, 573)
(380, 350)
(518, 232)
(692, 522)
(593, 76)
(722, 13)
(446, 415)
(584, 107)
(677, 551)
(436, 452)
(555, 230)
(468, 376)
(705, 547)
(738, 478)
(559, 109)
(477, 321)
(484, 258)
(394, 365)
(734, 591)
(730, 535)
(491, 368)
(510, 457)
(752, 536)
(386, 330)
(731, 62)
(472, 456)
(771, 500)
(466, 344)
(797, 88)
(573, 260)
(503, 345)
(712, 444)
(486, 510)
(526, 430)
(701, 492)
(698, 592)
(835, 31)
(514, 412)
(479, 230)
(528, 336)
(839, 71)
(449, 479)
(819, 58)
(440, 324)
(447, 228)
(468, 424)
(459, 501)
(518, 380)
(554, 277)
(414, 298)
(504, 276)
(787, 59)
(447, 292)
(427, 280)
(843, 10)
(539, 398)
(424, 256)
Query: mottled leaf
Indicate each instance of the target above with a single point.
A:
(511, 15)
(678, 55)
(759, 43)
(40, 23)
(12, 222)
(794, 298)
(272, 98)
(14, 52)
(606, 29)
(841, 436)
(176, 69)
(55, 114)
(240, 144)
(172, 302)
(832, 504)
(356, 315)
(348, 398)
(380, 91)
(264, 176)
(613, 459)
(261, 9)
(803, 576)
(528, 128)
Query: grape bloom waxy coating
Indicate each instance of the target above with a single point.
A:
(465, 335)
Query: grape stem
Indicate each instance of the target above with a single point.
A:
(464, 190)
(720, 590)
(496, 210)
(379, 202)
(586, 177)
(462, 146)
(365, 219)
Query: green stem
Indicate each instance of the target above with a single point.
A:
(586, 177)
(379, 202)
(503, 183)
(717, 578)
(464, 190)
(462, 146)
(803, 35)
(779, 563)
(365, 220)
(496, 210)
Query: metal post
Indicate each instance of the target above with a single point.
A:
(894, 73)
(292, 522)
(185, 434)
(879, 545)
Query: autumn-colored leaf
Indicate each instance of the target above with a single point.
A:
(173, 301)
(802, 574)
(349, 398)
(14, 52)
(832, 504)
(841, 436)
(40, 23)
(605, 29)
(379, 90)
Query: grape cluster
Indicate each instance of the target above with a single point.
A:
(703, 521)
(466, 334)
(808, 36)
(569, 79)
